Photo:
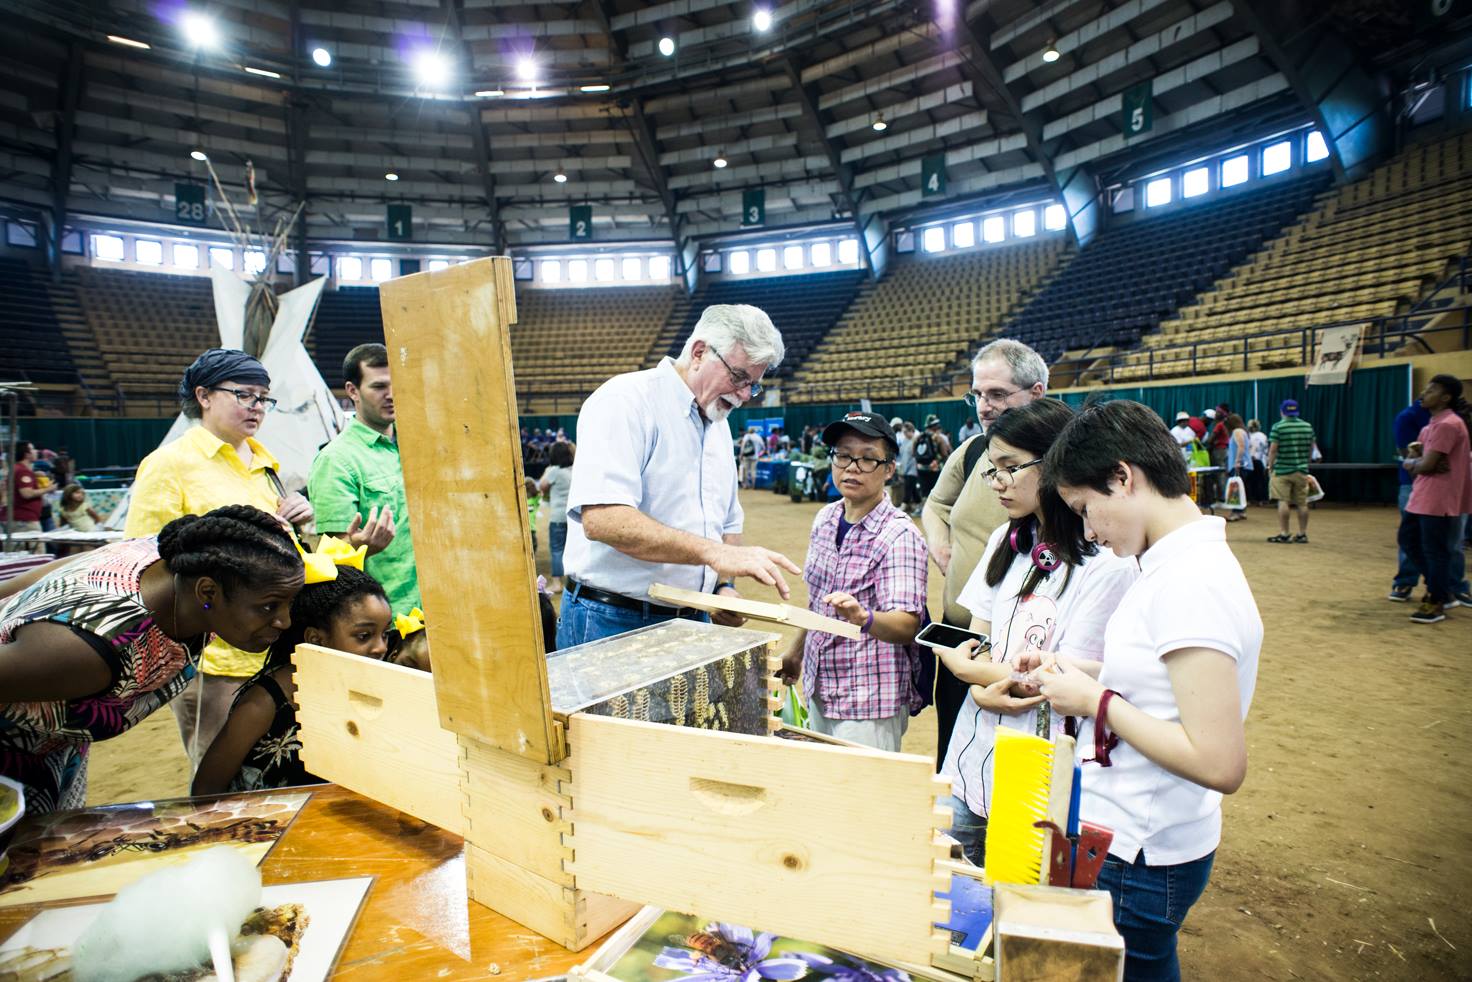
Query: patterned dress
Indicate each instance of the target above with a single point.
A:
(44, 744)
(275, 760)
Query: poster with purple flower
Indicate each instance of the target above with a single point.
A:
(686, 948)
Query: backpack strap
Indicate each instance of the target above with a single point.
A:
(974, 449)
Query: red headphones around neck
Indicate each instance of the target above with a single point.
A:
(1041, 554)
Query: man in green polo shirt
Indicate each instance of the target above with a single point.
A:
(1291, 443)
(357, 482)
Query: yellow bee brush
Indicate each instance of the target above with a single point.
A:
(1027, 789)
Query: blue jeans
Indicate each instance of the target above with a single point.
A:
(585, 620)
(969, 829)
(556, 542)
(1408, 574)
(1150, 904)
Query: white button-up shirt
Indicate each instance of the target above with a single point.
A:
(643, 443)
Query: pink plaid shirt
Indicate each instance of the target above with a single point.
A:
(883, 565)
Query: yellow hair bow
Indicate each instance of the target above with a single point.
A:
(408, 623)
(322, 563)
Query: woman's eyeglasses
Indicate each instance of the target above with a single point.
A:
(1003, 477)
(247, 399)
(866, 465)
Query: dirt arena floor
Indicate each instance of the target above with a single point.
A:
(1347, 853)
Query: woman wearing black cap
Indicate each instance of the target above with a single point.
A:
(217, 463)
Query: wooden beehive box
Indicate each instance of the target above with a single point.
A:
(578, 792)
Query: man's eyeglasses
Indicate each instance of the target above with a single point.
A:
(1003, 477)
(866, 465)
(994, 397)
(247, 399)
(739, 379)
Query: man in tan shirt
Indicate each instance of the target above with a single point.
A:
(962, 510)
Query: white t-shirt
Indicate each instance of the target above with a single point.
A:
(1071, 624)
(1191, 593)
(1257, 445)
(1182, 434)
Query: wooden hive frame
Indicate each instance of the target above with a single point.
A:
(572, 822)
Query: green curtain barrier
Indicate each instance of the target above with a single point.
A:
(1353, 421)
(98, 441)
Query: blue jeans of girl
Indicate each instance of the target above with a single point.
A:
(1150, 903)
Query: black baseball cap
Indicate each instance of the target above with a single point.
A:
(864, 424)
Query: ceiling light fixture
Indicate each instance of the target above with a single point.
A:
(118, 39)
(593, 88)
(489, 93)
(719, 162)
(1050, 53)
(390, 176)
(322, 57)
(432, 69)
(761, 19)
(264, 73)
(879, 124)
(199, 30)
(666, 46)
(198, 155)
(560, 177)
(526, 68)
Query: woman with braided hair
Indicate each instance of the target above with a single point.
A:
(92, 644)
(258, 746)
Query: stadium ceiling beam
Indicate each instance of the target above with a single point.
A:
(1192, 71)
(876, 250)
(1326, 75)
(1138, 52)
(454, 10)
(687, 250)
(70, 85)
(1112, 20)
(1076, 186)
(296, 149)
(1040, 16)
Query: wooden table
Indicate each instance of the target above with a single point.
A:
(416, 922)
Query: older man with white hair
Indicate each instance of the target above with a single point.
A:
(653, 496)
(962, 510)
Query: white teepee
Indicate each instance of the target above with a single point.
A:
(307, 415)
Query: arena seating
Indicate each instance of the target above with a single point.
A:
(346, 317)
(1140, 271)
(804, 307)
(148, 327)
(35, 349)
(1369, 250)
(569, 341)
(927, 312)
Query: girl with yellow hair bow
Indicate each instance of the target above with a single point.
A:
(340, 607)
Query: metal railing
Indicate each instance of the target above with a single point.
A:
(1290, 347)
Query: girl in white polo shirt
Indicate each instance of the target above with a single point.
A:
(1028, 596)
(1164, 739)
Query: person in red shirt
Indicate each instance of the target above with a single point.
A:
(1217, 446)
(24, 491)
(1441, 463)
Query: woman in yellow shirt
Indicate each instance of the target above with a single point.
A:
(219, 462)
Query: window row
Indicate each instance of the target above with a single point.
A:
(605, 269)
(1019, 224)
(195, 256)
(1192, 182)
(815, 255)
